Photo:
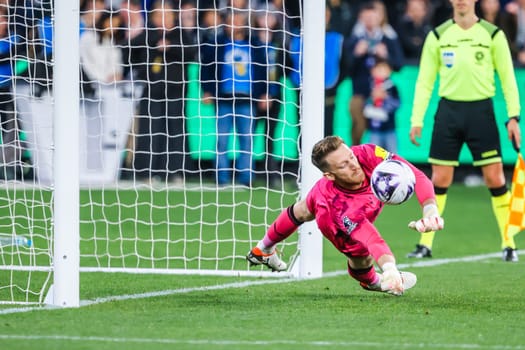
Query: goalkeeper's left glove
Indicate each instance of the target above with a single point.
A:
(432, 223)
(431, 220)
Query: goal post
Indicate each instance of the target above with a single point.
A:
(95, 198)
(312, 105)
(66, 255)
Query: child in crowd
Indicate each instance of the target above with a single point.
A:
(381, 107)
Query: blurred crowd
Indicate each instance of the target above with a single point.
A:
(244, 49)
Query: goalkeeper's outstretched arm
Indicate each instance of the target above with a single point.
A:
(431, 220)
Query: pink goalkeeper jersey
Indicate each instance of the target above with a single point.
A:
(345, 217)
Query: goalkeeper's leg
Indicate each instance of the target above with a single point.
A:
(391, 280)
(369, 246)
(264, 253)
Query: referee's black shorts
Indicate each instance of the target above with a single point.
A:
(473, 123)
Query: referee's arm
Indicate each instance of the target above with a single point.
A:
(428, 70)
(505, 69)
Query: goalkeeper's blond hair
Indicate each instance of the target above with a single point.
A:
(322, 148)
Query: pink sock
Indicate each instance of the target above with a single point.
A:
(368, 275)
(281, 228)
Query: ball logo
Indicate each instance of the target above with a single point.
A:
(448, 58)
(392, 182)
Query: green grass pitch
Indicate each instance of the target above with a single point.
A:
(457, 304)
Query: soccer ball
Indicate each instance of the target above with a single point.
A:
(393, 182)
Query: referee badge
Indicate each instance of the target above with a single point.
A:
(479, 56)
(448, 58)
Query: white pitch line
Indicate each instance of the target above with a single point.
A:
(430, 262)
(424, 263)
(262, 343)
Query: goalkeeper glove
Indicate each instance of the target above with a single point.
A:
(431, 220)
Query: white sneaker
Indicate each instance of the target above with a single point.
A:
(393, 282)
(272, 260)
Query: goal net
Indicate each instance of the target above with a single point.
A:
(189, 137)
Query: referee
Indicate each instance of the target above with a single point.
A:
(464, 52)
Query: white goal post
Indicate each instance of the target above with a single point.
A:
(66, 255)
(86, 206)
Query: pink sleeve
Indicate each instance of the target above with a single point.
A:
(424, 187)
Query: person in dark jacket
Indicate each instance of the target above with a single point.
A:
(368, 41)
(269, 28)
(413, 28)
(161, 151)
(380, 109)
(10, 146)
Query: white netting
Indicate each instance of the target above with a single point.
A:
(154, 83)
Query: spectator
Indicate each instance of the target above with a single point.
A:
(413, 29)
(90, 11)
(491, 11)
(283, 13)
(131, 15)
(188, 20)
(101, 70)
(269, 30)
(342, 17)
(334, 68)
(393, 11)
(441, 11)
(334, 62)
(10, 148)
(100, 57)
(132, 18)
(161, 151)
(233, 75)
(98, 54)
(227, 6)
(38, 41)
(516, 29)
(388, 30)
(381, 107)
(368, 42)
(210, 25)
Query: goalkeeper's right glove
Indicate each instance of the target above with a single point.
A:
(431, 220)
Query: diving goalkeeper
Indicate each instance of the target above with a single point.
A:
(345, 209)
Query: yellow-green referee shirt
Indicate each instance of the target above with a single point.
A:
(466, 61)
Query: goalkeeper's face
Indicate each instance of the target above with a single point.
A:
(344, 168)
